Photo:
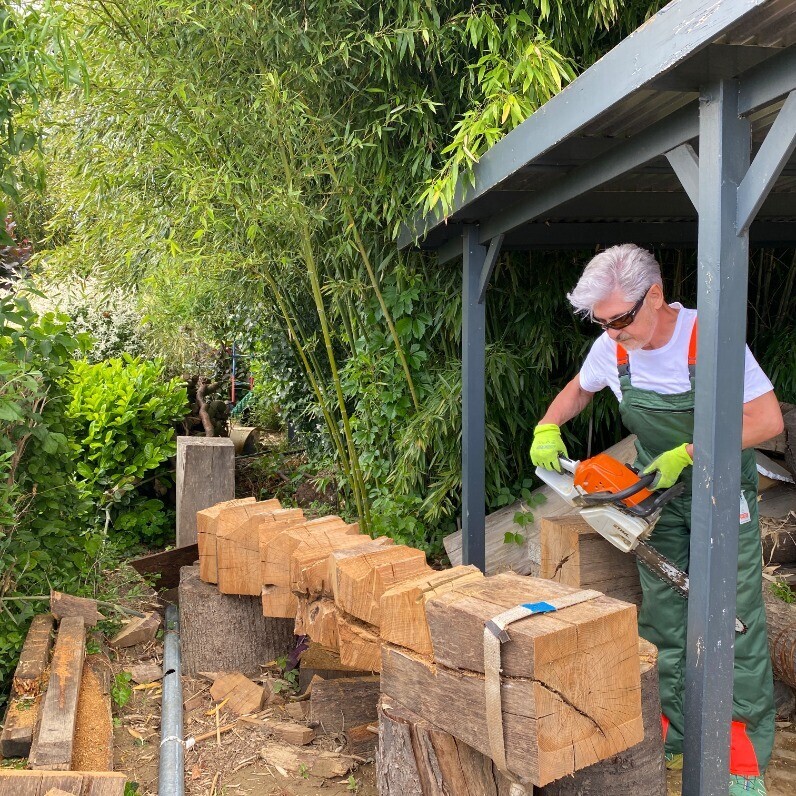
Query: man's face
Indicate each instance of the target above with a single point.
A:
(637, 334)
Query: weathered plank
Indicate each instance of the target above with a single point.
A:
(167, 565)
(338, 705)
(59, 710)
(76, 783)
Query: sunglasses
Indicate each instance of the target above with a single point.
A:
(623, 320)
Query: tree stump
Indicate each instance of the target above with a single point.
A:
(224, 632)
(781, 622)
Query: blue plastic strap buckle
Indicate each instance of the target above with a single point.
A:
(539, 608)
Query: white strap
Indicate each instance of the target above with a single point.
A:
(494, 635)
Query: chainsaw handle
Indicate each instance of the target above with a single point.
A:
(611, 497)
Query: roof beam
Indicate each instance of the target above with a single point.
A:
(768, 82)
(685, 163)
(675, 129)
(777, 147)
(450, 250)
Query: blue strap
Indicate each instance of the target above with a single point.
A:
(539, 608)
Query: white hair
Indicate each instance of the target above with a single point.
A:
(626, 268)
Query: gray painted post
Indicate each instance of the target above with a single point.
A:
(205, 476)
(723, 258)
(473, 403)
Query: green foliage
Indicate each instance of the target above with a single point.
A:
(121, 690)
(122, 412)
(783, 592)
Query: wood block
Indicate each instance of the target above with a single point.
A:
(360, 581)
(325, 664)
(238, 550)
(313, 576)
(279, 602)
(62, 605)
(167, 565)
(574, 553)
(205, 476)
(297, 734)
(241, 694)
(362, 741)
(337, 705)
(779, 547)
(25, 699)
(403, 607)
(220, 632)
(297, 710)
(93, 740)
(360, 645)
(59, 710)
(570, 686)
(226, 519)
(318, 620)
(326, 535)
(146, 672)
(74, 783)
(307, 762)
(139, 630)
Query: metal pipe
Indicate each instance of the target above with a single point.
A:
(171, 772)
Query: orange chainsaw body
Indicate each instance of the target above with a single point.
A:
(603, 473)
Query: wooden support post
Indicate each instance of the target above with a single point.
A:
(205, 476)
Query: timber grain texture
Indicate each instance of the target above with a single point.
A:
(341, 704)
(75, 783)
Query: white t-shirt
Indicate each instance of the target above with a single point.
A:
(662, 370)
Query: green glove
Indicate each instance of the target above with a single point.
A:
(547, 447)
(669, 466)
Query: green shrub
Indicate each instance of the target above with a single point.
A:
(122, 413)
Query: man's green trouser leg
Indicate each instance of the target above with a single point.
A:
(663, 618)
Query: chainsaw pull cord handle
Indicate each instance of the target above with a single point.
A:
(611, 497)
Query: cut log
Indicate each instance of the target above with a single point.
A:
(639, 769)
(220, 518)
(403, 607)
(360, 581)
(574, 554)
(324, 664)
(414, 758)
(362, 741)
(279, 602)
(297, 734)
(318, 620)
(62, 605)
(240, 694)
(238, 550)
(313, 576)
(570, 686)
(326, 535)
(779, 547)
(166, 566)
(55, 741)
(781, 622)
(360, 646)
(75, 783)
(93, 743)
(338, 705)
(140, 630)
(525, 558)
(25, 700)
(220, 632)
(306, 762)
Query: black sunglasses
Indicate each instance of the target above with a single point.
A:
(625, 319)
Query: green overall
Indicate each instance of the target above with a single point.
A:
(662, 422)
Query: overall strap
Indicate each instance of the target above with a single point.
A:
(692, 353)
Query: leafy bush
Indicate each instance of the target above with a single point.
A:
(122, 412)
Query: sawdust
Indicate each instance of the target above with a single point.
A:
(93, 745)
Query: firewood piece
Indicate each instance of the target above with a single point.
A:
(403, 607)
(297, 734)
(574, 554)
(313, 576)
(167, 565)
(93, 741)
(146, 672)
(362, 740)
(25, 699)
(781, 622)
(360, 646)
(241, 694)
(360, 581)
(58, 792)
(220, 516)
(224, 632)
(297, 710)
(338, 705)
(326, 533)
(238, 549)
(279, 602)
(55, 740)
(73, 783)
(307, 762)
(779, 547)
(318, 620)
(62, 605)
(324, 664)
(639, 769)
(137, 631)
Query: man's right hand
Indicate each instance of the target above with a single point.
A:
(547, 447)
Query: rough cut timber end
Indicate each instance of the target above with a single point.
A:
(62, 605)
(403, 607)
(140, 630)
(241, 694)
(279, 602)
(318, 620)
(360, 581)
(206, 531)
(360, 646)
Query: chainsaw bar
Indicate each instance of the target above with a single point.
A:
(668, 573)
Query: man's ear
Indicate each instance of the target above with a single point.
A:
(656, 294)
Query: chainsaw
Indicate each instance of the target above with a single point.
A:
(621, 506)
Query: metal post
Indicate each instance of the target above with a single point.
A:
(473, 402)
(723, 257)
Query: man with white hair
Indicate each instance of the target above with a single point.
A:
(647, 357)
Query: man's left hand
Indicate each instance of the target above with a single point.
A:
(669, 465)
